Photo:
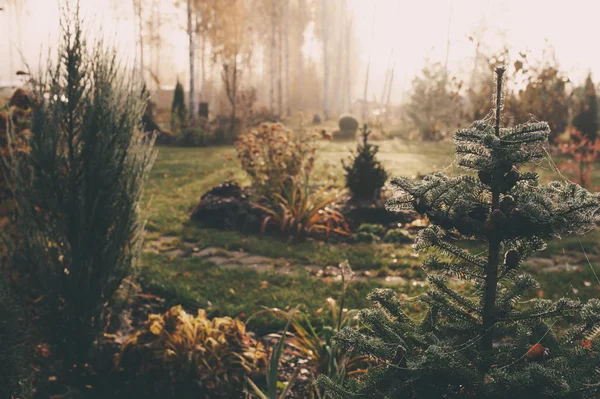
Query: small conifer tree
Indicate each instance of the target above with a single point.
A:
(78, 187)
(483, 342)
(179, 113)
(365, 175)
(586, 119)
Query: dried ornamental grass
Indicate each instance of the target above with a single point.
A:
(181, 354)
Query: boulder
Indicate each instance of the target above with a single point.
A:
(228, 207)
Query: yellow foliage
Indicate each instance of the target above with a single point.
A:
(193, 354)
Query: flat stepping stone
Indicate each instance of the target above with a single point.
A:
(540, 263)
(175, 253)
(256, 260)
(219, 260)
(566, 267)
(207, 252)
(162, 245)
(312, 269)
(166, 239)
(238, 254)
(260, 267)
(230, 266)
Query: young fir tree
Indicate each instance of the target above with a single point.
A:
(483, 342)
(586, 120)
(179, 113)
(78, 188)
(365, 175)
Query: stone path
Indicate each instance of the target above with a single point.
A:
(240, 259)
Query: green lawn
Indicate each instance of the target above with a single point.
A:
(181, 175)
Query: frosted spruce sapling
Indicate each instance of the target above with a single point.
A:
(365, 176)
(483, 341)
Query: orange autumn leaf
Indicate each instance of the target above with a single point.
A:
(536, 352)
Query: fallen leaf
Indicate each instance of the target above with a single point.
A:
(148, 296)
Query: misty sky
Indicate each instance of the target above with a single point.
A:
(406, 31)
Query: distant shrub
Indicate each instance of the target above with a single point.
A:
(221, 132)
(582, 152)
(397, 236)
(376, 229)
(261, 115)
(271, 154)
(365, 236)
(177, 355)
(20, 99)
(586, 111)
(365, 176)
(191, 137)
(179, 112)
(316, 120)
(164, 138)
(78, 188)
(348, 127)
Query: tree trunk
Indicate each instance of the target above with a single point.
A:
(448, 41)
(339, 91)
(156, 43)
(230, 80)
(9, 42)
(299, 83)
(385, 85)
(272, 89)
(139, 10)
(280, 65)
(491, 272)
(158, 46)
(286, 5)
(325, 62)
(233, 102)
(365, 99)
(203, 67)
(192, 91)
(348, 96)
(213, 87)
(389, 94)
